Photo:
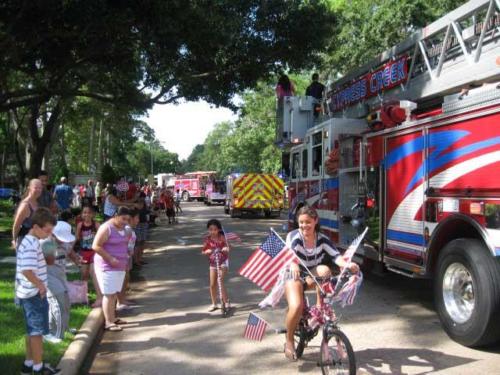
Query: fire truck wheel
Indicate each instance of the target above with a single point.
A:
(226, 210)
(466, 291)
(185, 196)
(234, 213)
(267, 213)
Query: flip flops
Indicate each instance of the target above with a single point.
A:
(120, 322)
(290, 354)
(113, 328)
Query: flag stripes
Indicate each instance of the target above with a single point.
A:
(255, 328)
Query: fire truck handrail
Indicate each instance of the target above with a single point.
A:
(430, 78)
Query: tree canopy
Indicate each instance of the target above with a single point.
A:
(139, 53)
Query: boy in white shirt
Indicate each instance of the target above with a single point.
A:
(31, 290)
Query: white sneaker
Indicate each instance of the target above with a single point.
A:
(213, 308)
(52, 339)
(120, 307)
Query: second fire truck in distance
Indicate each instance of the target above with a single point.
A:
(410, 147)
(254, 193)
(192, 185)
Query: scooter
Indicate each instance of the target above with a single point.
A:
(224, 309)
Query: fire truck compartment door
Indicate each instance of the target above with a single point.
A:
(405, 183)
(349, 190)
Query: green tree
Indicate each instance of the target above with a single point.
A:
(248, 144)
(137, 54)
(365, 29)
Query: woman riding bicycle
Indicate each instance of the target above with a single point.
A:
(316, 252)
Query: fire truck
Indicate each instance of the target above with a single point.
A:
(409, 145)
(215, 192)
(192, 185)
(254, 193)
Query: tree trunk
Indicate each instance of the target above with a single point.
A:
(2, 165)
(91, 149)
(99, 148)
(38, 144)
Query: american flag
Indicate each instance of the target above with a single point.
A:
(265, 263)
(255, 328)
(231, 236)
(351, 250)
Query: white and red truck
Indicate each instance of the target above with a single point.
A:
(192, 185)
(409, 145)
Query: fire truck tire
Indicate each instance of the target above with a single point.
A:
(267, 213)
(467, 292)
(234, 213)
(226, 210)
(185, 196)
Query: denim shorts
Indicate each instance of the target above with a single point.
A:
(36, 315)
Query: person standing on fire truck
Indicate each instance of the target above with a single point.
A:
(316, 89)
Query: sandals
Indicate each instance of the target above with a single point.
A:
(120, 322)
(290, 354)
(113, 328)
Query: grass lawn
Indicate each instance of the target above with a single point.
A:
(6, 215)
(13, 329)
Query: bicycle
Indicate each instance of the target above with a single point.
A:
(336, 352)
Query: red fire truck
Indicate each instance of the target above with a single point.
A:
(409, 145)
(192, 185)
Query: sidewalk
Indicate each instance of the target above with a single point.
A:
(172, 329)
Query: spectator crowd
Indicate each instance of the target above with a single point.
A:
(102, 230)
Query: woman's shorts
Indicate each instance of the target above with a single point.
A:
(110, 282)
(87, 256)
(36, 315)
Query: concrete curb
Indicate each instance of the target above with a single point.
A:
(74, 356)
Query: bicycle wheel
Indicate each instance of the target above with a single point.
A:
(55, 317)
(336, 354)
(300, 340)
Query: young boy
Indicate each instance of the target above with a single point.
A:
(31, 290)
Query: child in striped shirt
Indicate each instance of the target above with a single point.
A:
(31, 290)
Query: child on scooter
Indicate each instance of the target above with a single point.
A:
(215, 240)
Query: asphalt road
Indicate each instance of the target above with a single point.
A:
(392, 325)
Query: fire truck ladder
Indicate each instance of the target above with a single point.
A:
(458, 50)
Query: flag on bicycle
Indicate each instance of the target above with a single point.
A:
(351, 250)
(265, 263)
(255, 328)
(349, 290)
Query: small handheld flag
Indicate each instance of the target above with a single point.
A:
(255, 328)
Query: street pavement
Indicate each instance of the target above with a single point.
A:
(392, 325)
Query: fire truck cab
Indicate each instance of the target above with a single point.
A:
(409, 145)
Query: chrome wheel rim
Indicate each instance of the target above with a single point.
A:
(458, 292)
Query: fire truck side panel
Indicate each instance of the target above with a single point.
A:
(404, 196)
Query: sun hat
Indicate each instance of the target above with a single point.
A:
(62, 231)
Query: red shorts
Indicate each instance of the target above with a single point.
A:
(87, 256)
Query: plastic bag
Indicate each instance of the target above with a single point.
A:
(78, 292)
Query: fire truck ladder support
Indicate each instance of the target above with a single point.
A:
(457, 50)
